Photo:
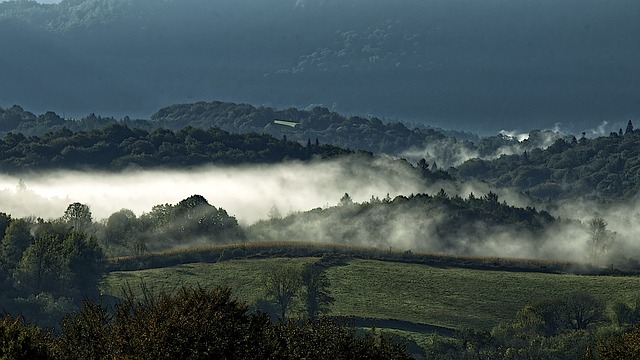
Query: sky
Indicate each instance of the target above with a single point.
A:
(480, 66)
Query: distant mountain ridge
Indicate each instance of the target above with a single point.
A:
(480, 66)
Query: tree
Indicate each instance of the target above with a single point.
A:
(345, 200)
(623, 347)
(42, 267)
(282, 285)
(192, 324)
(78, 216)
(546, 317)
(120, 228)
(315, 290)
(5, 221)
(600, 239)
(583, 310)
(16, 240)
(274, 213)
(85, 262)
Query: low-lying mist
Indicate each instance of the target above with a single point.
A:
(251, 193)
(248, 192)
(450, 152)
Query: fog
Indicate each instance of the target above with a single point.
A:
(449, 152)
(250, 193)
(247, 192)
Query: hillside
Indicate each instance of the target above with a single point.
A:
(445, 148)
(450, 297)
(604, 168)
(543, 164)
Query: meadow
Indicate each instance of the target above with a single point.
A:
(446, 296)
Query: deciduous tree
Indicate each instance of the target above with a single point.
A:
(78, 216)
(282, 286)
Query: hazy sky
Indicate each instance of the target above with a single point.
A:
(481, 66)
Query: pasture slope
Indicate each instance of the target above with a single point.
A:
(406, 291)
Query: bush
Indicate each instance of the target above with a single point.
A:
(19, 340)
(204, 324)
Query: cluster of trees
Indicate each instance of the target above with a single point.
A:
(354, 132)
(430, 222)
(571, 326)
(291, 287)
(190, 222)
(606, 167)
(118, 146)
(192, 324)
(48, 267)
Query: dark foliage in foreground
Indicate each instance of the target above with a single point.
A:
(193, 324)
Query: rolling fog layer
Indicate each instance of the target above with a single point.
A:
(250, 192)
(246, 192)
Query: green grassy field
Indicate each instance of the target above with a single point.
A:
(449, 297)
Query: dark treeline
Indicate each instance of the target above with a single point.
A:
(354, 132)
(429, 222)
(316, 125)
(117, 147)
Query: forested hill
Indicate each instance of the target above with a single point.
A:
(118, 147)
(445, 148)
(354, 132)
(436, 223)
(601, 168)
(370, 134)
(546, 164)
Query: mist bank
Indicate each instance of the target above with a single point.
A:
(357, 200)
(247, 191)
(480, 66)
